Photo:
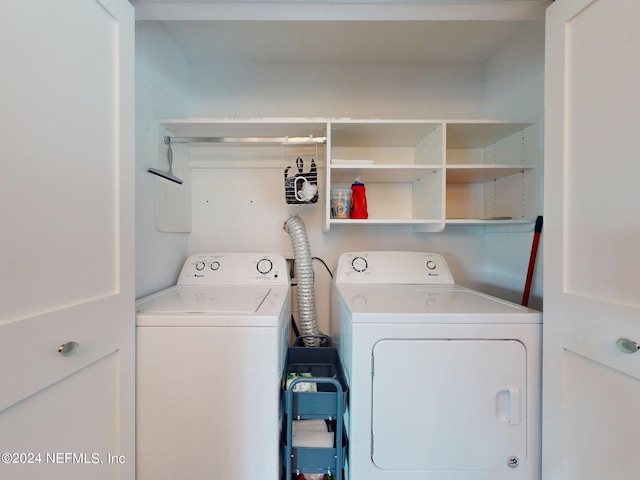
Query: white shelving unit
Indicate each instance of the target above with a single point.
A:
(228, 142)
(405, 181)
(492, 173)
(422, 173)
(245, 128)
(486, 173)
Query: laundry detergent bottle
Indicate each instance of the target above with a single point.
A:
(358, 200)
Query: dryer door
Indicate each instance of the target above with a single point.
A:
(449, 405)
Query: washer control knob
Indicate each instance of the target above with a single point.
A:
(264, 266)
(359, 264)
(200, 266)
(431, 265)
(215, 265)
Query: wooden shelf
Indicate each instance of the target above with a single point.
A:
(471, 169)
(474, 134)
(482, 173)
(255, 127)
(376, 133)
(381, 173)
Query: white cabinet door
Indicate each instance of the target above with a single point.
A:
(592, 236)
(66, 264)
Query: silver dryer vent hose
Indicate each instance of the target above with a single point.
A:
(294, 226)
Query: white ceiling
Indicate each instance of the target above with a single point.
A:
(330, 1)
(407, 41)
(420, 31)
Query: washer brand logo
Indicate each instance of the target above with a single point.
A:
(513, 462)
(433, 274)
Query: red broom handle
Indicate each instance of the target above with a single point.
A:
(532, 261)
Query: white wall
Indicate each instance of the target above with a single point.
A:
(515, 90)
(335, 90)
(237, 209)
(244, 208)
(161, 92)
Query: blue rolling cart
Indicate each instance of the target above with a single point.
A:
(314, 388)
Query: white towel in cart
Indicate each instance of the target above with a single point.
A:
(312, 433)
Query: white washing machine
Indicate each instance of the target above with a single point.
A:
(444, 381)
(210, 355)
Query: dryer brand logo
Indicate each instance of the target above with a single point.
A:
(513, 462)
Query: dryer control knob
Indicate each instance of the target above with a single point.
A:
(359, 264)
(431, 265)
(264, 266)
(215, 265)
(200, 266)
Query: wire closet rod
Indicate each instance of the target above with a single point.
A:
(239, 140)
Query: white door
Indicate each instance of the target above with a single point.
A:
(591, 391)
(66, 263)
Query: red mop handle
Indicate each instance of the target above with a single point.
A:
(532, 261)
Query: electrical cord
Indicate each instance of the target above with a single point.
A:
(295, 327)
(323, 263)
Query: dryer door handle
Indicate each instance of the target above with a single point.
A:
(508, 407)
(514, 406)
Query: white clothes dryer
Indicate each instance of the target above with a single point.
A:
(210, 356)
(444, 381)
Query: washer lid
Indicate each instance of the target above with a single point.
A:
(206, 299)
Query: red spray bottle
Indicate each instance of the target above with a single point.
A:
(358, 200)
